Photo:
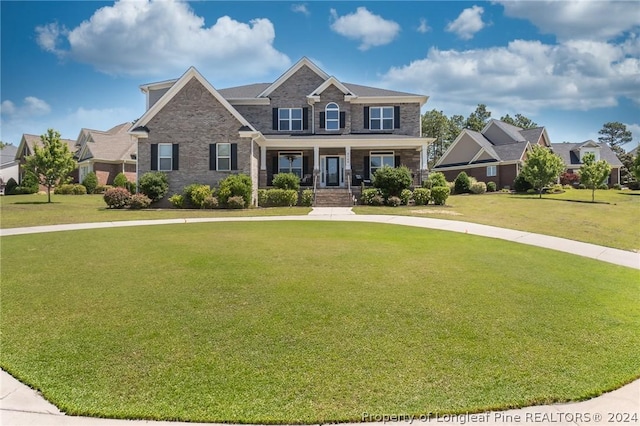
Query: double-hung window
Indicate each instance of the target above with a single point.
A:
(165, 156)
(290, 119)
(381, 118)
(378, 160)
(223, 156)
(492, 171)
(332, 116)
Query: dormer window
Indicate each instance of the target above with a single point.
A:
(332, 116)
(594, 151)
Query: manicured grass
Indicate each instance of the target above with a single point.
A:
(309, 322)
(566, 215)
(33, 210)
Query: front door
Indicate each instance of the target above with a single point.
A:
(333, 171)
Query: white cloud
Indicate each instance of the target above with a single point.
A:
(571, 19)
(371, 30)
(634, 128)
(7, 108)
(525, 76)
(154, 37)
(300, 8)
(468, 23)
(423, 27)
(30, 107)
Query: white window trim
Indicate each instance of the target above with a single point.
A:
(391, 154)
(495, 171)
(381, 119)
(160, 145)
(298, 153)
(333, 120)
(290, 120)
(219, 156)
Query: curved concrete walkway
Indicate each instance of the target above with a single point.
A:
(21, 405)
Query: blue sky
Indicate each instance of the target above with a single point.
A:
(568, 65)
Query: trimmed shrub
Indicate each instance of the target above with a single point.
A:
(368, 195)
(117, 198)
(286, 181)
(439, 195)
(120, 180)
(154, 185)
(392, 180)
(478, 188)
(10, 187)
(29, 184)
(177, 201)
(210, 202)
(491, 187)
(521, 184)
(421, 196)
(262, 197)
(616, 186)
(279, 198)
(131, 187)
(435, 179)
(70, 189)
(377, 200)
(236, 202)
(101, 189)
(405, 196)
(394, 201)
(139, 201)
(90, 182)
(462, 184)
(198, 194)
(236, 185)
(531, 191)
(582, 186)
(307, 198)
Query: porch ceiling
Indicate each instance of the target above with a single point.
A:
(340, 141)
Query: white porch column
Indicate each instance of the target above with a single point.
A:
(316, 158)
(424, 157)
(347, 157)
(263, 158)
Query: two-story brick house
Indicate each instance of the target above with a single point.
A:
(331, 134)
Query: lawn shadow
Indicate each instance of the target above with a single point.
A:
(36, 202)
(567, 201)
(627, 193)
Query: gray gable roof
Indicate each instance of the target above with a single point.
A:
(8, 154)
(570, 153)
(244, 92)
(532, 135)
(512, 151)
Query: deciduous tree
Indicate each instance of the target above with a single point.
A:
(541, 168)
(593, 173)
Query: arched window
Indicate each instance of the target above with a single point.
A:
(332, 116)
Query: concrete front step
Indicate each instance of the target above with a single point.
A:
(339, 197)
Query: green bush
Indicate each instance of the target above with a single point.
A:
(10, 186)
(368, 195)
(394, 201)
(29, 184)
(307, 198)
(235, 185)
(462, 183)
(439, 195)
(177, 201)
(521, 184)
(421, 196)
(478, 188)
(90, 182)
(131, 187)
(139, 201)
(117, 198)
(154, 185)
(101, 189)
(236, 202)
(262, 197)
(392, 180)
(603, 186)
(531, 191)
(120, 180)
(616, 186)
(405, 196)
(435, 179)
(286, 181)
(197, 195)
(279, 198)
(210, 202)
(491, 187)
(70, 189)
(377, 200)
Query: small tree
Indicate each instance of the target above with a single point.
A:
(636, 168)
(593, 173)
(462, 183)
(90, 182)
(541, 168)
(52, 162)
(120, 180)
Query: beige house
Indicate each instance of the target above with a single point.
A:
(106, 153)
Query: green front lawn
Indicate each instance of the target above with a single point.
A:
(568, 215)
(33, 210)
(309, 322)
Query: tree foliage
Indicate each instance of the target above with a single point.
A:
(519, 121)
(392, 180)
(541, 168)
(52, 162)
(479, 118)
(593, 173)
(636, 167)
(615, 134)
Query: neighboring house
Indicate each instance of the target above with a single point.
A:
(9, 166)
(572, 154)
(495, 154)
(107, 153)
(330, 133)
(25, 149)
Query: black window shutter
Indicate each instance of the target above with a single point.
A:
(274, 165)
(213, 156)
(343, 119)
(234, 156)
(366, 117)
(322, 120)
(275, 118)
(365, 172)
(176, 163)
(396, 117)
(305, 165)
(305, 118)
(154, 156)
(397, 161)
